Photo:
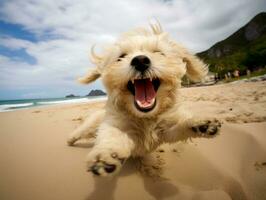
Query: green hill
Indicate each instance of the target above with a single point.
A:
(245, 49)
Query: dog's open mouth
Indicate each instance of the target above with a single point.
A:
(144, 91)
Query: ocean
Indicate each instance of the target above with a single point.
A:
(11, 105)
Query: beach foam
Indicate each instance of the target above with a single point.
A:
(41, 102)
(9, 107)
(82, 100)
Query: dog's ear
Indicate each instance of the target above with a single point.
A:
(94, 73)
(91, 76)
(196, 69)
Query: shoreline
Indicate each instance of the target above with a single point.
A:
(61, 101)
(223, 100)
(54, 107)
(9, 107)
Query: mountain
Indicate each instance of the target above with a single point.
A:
(96, 93)
(244, 49)
(71, 96)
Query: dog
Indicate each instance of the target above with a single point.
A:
(142, 73)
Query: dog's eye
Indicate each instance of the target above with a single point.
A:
(157, 51)
(121, 56)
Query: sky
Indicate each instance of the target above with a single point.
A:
(45, 44)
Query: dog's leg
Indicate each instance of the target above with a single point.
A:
(187, 127)
(88, 128)
(112, 148)
(150, 165)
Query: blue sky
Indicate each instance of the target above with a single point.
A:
(17, 31)
(44, 44)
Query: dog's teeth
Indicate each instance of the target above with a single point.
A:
(150, 79)
(132, 80)
(146, 105)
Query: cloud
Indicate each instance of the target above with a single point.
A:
(65, 31)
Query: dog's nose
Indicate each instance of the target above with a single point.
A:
(141, 63)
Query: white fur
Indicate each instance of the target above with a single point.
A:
(122, 130)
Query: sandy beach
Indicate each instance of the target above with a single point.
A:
(36, 163)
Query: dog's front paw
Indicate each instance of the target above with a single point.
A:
(207, 127)
(105, 162)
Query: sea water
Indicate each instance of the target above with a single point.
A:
(11, 105)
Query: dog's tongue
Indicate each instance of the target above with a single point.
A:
(144, 93)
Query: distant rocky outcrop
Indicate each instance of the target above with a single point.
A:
(96, 93)
(71, 96)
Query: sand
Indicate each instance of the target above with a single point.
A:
(36, 163)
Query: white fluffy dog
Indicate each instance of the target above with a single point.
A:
(142, 73)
